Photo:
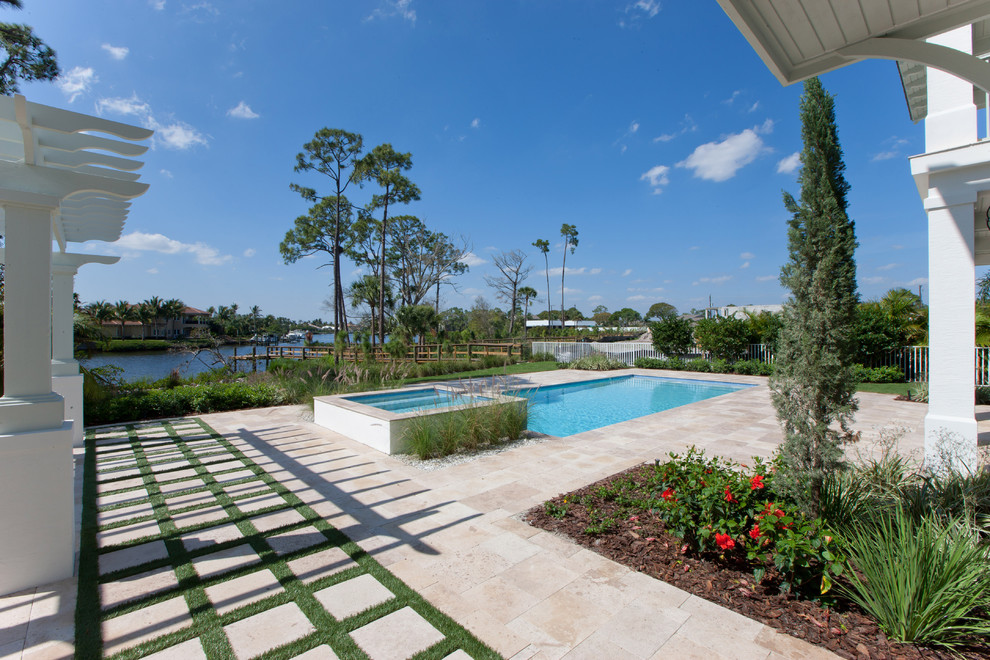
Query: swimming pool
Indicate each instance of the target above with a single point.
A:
(403, 401)
(564, 410)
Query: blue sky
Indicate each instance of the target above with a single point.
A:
(653, 127)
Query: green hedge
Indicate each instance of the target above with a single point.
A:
(878, 374)
(181, 400)
(742, 367)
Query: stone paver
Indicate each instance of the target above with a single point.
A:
(321, 564)
(133, 556)
(399, 635)
(188, 650)
(137, 586)
(217, 563)
(232, 594)
(352, 596)
(141, 625)
(256, 634)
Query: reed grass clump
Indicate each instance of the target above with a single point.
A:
(474, 427)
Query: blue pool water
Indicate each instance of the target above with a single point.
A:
(563, 410)
(412, 400)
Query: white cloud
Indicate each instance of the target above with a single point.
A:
(790, 164)
(627, 272)
(179, 135)
(476, 122)
(747, 255)
(129, 245)
(121, 106)
(874, 280)
(888, 267)
(165, 173)
(649, 7)
(766, 127)
(721, 279)
(175, 134)
(157, 5)
(687, 126)
(250, 252)
(200, 10)
(719, 161)
(472, 260)
(152, 271)
(745, 265)
(754, 107)
(766, 278)
(583, 270)
(918, 281)
(636, 298)
(116, 52)
(242, 111)
(695, 247)
(638, 11)
(657, 176)
(885, 155)
(594, 298)
(633, 127)
(76, 82)
(400, 8)
(732, 99)
(568, 290)
(595, 271)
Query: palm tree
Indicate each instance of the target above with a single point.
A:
(123, 312)
(909, 313)
(544, 247)
(172, 310)
(526, 293)
(146, 315)
(255, 313)
(154, 305)
(570, 235)
(101, 311)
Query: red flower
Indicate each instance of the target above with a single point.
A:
(778, 513)
(756, 482)
(728, 495)
(725, 541)
(667, 494)
(755, 532)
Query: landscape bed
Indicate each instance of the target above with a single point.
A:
(642, 543)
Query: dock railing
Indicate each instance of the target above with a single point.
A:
(415, 353)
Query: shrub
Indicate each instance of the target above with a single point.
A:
(925, 582)
(698, 365)
(597, 362)
(675, 364)
(672, 336)
(982, 394)
(752, 368)
(889, 374)
(496, 361)
(721, 367)
(468, 429)
(725, 337)
(181, 400)
(717, 507)
(542, 357)
(127, 345)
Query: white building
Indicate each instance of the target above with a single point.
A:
(940, 47)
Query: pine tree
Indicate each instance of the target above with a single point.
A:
(813, 382)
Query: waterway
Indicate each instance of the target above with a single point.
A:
(153, 365)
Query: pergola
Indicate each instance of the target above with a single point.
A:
(938, 45)
(57, 183)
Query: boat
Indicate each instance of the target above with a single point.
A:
(294, 336)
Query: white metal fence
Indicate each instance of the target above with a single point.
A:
(912, 360)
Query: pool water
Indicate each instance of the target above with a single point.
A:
(564, 410)
(413, 400)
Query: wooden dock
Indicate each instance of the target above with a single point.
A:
(417, 354)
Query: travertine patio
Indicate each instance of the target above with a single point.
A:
(452, 535)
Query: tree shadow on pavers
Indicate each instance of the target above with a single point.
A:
(371, 522)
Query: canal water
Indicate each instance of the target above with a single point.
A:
(153, 365)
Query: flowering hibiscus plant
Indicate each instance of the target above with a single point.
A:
(719, 506)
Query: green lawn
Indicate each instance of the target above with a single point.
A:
(888, 388)
(512, 369)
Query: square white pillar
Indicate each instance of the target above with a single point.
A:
(950, 426)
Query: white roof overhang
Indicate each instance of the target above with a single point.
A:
(798, 39)
(54, 152)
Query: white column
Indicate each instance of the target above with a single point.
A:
(951, 119)
(36, 486)
(66, 379)
(28, 402)
(950, 426)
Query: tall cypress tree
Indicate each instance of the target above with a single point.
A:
(813, 382)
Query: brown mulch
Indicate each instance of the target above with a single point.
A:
(643, 545)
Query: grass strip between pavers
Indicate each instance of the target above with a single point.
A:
(131, 450)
